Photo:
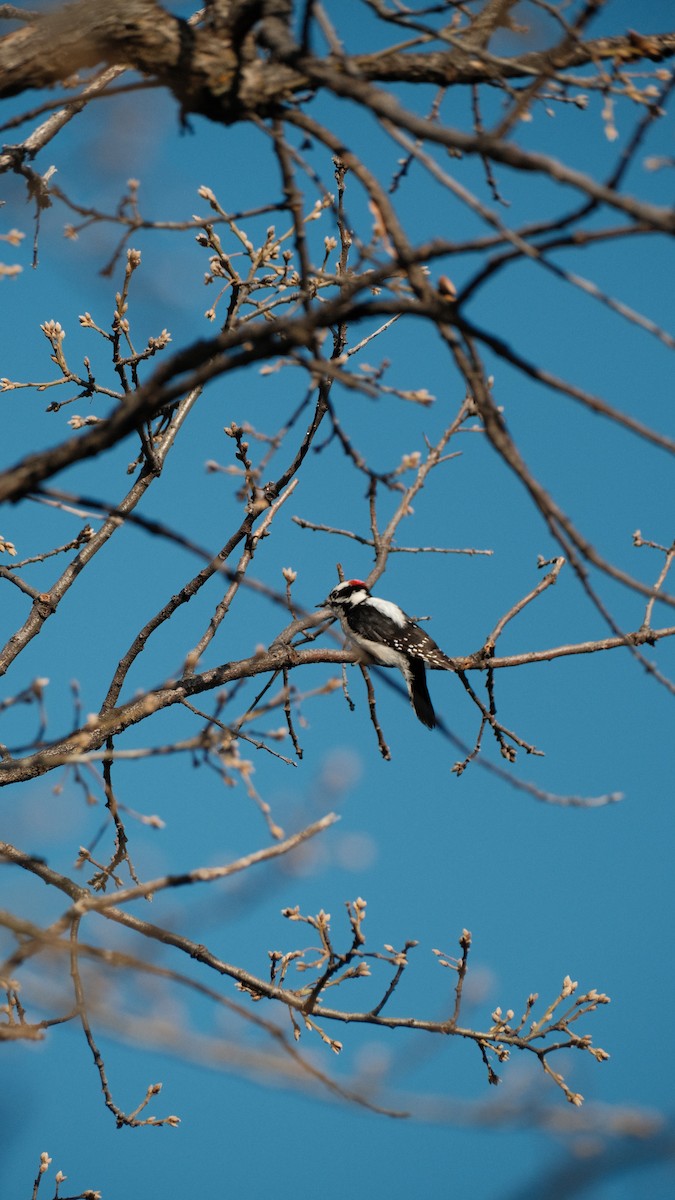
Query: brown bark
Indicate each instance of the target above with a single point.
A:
(215, 70)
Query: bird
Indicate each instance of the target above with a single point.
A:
(384, 634)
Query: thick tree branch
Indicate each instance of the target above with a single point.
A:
(214, 69)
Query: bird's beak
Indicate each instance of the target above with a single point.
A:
(323, 604)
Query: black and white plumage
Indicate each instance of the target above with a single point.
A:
(385, 635)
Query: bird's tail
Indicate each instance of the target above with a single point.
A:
(419, 694)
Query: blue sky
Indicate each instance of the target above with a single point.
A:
(546, 890)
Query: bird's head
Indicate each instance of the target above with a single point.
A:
(345, 596)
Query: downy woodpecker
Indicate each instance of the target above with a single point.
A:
(387, 636)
